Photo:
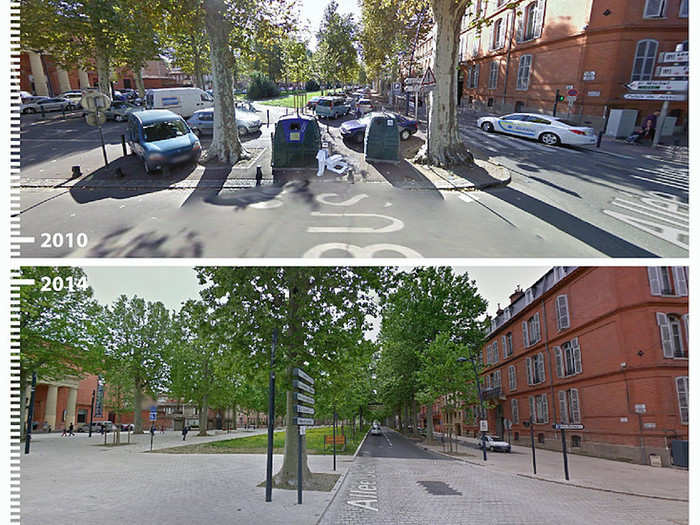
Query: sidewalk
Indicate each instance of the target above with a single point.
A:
(584, 471)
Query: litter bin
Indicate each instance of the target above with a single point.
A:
(296, 142)
(382, 138)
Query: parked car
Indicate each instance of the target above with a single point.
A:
(311, 103)
(126, 427)
(545, 128)
(48, 104)
(74, 96)
(85, 427)
(355, 129)
(332, 107)
(183, 101)
(119, 111)
(161, 138)
(494, 443)
(376, 430)
(202, 122)
(365, 105)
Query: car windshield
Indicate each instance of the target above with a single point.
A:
(324, 102)
(166, 129)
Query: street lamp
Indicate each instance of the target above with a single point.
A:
(481, 400)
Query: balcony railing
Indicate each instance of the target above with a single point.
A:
(491, 393)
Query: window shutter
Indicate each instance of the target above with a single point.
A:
(539, 18)
(687, 335)
(495, 351)
(563, 312)
(491, 33)
(575, 406)
(545, 409)
(537, 336)
(533, 414)
(512, 377)
(519, 27)
(514, 411)
(505, 346)
(497, 379)
(528, 366)
(682, 388)
(576, 349)
(540, 367)
(560, 362)
(665, 331)
(526, 339)
(654, 279)
(563, 412)
(679, 281)
(653, 8)
(504, 30)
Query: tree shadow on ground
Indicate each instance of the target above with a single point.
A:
(145, 242)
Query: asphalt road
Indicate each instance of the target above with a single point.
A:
(392, 444)
(561, 202)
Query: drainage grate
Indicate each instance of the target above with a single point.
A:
(439, 488)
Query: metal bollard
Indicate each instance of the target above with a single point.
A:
(43, 113)
(258, 176)
(124, 145)
(268, 118)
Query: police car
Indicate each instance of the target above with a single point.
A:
(545, 128)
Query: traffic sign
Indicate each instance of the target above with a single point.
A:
(658, 85)
(298, 396)
(560, 426)
(674, 56)
(572, 92)
(302, 430)
(570, 100)
(428, 78)
(153, 413)
(302, 421)
(298, 372)
(303, 410)
(94, 101)
(654, 96)
(672, 71)
(411, 80)
(589, 75)
(303, 386)
(483, 425)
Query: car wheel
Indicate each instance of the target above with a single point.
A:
(487, 127)
(405, 134)
(493, 449)
(30, 110)
(118, 118)
(196, 131)
(550, 139)
(242, 131)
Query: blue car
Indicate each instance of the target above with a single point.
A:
(162, 138)
(354, 130)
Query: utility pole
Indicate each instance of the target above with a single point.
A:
(270, 420)
(30, 416)
(92, 412)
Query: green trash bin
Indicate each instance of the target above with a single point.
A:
(296, 142)
(382, 138)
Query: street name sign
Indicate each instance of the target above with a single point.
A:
(298, 372)
(411, 80)
(674, 56)
(302, 421)
(561, 426)
(302, 431)
(153, 414)
(298, 396)
(672, 71)
(654, 96)
(658, 85)
(304, 410)
(303, 386)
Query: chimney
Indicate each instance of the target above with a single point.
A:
(517, 294)
(500, 310)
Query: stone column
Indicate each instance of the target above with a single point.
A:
(84, 80)
(40, 84)
(50, 412)
(70, 407)
(63, 80)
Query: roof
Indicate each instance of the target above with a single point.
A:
(154, 115)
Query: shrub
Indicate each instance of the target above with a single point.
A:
(312, 85)
(262, 87)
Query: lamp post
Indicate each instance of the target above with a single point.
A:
(92, 412)
(481, 400)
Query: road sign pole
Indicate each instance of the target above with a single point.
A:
(270, 420)
(102, 141)
(92, 411)
(334, 438)
(532, 442)
(660, 123)
(563, 450)
(30, 416)
(300, 473)
(556, 103)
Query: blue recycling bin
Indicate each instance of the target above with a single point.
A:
(296, 142)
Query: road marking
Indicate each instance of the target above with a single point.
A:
(393, 226)
(468, 198)
(361, 252)
(387, 439)
(364, 494)
(655, 181)
(323, 199)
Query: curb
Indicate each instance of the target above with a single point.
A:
(627, 493)
(339, 484)
(443, 184)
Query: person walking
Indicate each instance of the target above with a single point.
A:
(185, 429)
(70, 430)
(649, 125)
(65, 431)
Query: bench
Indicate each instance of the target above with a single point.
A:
(339, 441)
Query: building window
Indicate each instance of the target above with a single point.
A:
(497, 33)
(516, 436)
(512, 382)
(493, 75)
(568, 358)
(672, 335)
(667, 280)
(562, 305)
(514, 412)
(531, 330)
(487, 382)
(506, 311)
(496, 380)
(569, 406)
(540, 438)
(490, 104)
(524, 72)
(529, 296)
(682, 390)
(82, 415)
(475, 77)
(644, 59)
(654, 8)
(683, 11)
(530, 21)
(575, 441)
(539, 407)
(507, 341)
(535, 369)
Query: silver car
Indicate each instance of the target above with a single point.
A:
(47, 104)
(119, 111)
(202, 122)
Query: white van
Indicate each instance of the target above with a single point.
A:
(183, 101)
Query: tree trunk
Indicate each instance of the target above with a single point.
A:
(203, 413)
(445, 145)
(197, 63)
(406, 419)
(140, 87)
(414, 415)
(103, 70)
(138, 401)
(22, 408)
(429, 423)
(226, 145)
(233, 417)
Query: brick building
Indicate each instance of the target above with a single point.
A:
(605, 347)
(524, 55)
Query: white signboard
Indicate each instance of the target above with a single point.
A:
(412, 80)
(658, 85)
(677, 56)
(594, 93)
(302, 430)
(640, 408)
(571, 99)
(589, 75)
(672, 71)
(654, 96)
(483, 425)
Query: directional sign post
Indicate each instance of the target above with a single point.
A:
(658, 85)
(303, 382)
(656, 96)
(270, 419)
(563, 428)
(96, 103)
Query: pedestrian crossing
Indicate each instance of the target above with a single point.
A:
(667, 177)
(498, 143)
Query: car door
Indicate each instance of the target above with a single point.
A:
(539, 124)
(515, 124)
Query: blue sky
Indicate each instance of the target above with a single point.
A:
(312, 10)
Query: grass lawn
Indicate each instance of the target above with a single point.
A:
(258, 444)
(287, 101)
